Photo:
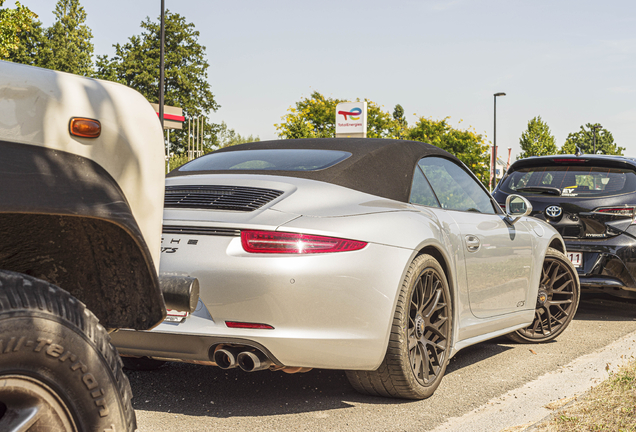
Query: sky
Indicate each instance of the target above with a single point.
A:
(571, 62)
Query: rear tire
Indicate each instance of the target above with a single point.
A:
(419, 344)
(562, 290)
(57, 366)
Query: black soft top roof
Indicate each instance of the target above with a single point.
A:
(382, 167)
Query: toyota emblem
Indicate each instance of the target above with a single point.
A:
(553, 211)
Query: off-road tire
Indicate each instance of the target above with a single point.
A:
(142, 363)
(560, 282)
(56, 362)
(396, 377)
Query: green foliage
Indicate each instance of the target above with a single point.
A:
(176, 160)
(69, 47)
(32, 46)
(583, 139)
(380, 124)
(537, 140)
(136, 64)
(401, 125)
(466, 145)
(315, 117)
(227, 137)
(14, 23)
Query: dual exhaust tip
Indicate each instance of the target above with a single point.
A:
(249, 360)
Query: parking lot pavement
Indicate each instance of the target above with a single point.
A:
(188, 397)
(534, 401)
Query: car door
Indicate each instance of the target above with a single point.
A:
(497, 255)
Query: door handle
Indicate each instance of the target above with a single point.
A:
(472, 243)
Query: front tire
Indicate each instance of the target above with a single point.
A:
(58, 370)
(557, 301)
(419, 344)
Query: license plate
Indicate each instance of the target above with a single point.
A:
(576, 258)
(175, 316)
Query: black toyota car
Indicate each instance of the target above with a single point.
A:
(591, 201)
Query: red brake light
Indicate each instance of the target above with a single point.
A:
(619, 211)
(237, 324)
(84, 127)
(292, 243)
(569, 160)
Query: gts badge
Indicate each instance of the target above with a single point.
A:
(173, 245)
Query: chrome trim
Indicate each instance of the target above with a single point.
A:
(198, 230)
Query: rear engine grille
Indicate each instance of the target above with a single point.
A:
(189, 230)
(237, 198)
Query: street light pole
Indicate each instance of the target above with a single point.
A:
(494, 142)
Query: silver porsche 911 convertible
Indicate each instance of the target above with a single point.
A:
(382, 258)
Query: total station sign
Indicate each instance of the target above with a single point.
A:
(351, 119)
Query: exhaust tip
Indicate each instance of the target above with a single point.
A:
(250, 361)
(225, 358)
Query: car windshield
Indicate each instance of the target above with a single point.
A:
(268, 160)
(571, 181)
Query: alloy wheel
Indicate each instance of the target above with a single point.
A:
(555, 301)
(428, 327)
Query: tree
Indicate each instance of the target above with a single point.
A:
(14, 23)
(69, 40)
(401, 124)
(227, 137)
(315, 117)
(583, 139)
(136, 64)
(466, 145)
(537, 140)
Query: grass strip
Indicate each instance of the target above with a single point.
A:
(610, 406)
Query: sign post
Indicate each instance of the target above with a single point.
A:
(351, 120)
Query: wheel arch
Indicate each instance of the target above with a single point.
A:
(557, 243)
(444, 261)
(65, 220)
(436, 253)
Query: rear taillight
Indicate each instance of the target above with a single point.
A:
(629, 211)
(292, 243)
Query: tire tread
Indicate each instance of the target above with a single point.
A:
(19, 292)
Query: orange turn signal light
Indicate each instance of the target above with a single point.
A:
(84, 127)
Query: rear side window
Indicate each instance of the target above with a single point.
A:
(574, 181)
(421, 192)
(455, 188)
(267, 160)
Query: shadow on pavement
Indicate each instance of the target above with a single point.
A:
(603, 307)
(208, 391)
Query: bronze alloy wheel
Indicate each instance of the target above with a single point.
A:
(420, 340)
(557, 300)
(429, 327)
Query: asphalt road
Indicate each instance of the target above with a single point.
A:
(184, 397)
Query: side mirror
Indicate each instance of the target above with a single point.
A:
(517, 207)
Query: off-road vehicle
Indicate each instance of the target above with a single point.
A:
(81, 197)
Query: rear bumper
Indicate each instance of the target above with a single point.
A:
(608, 264)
